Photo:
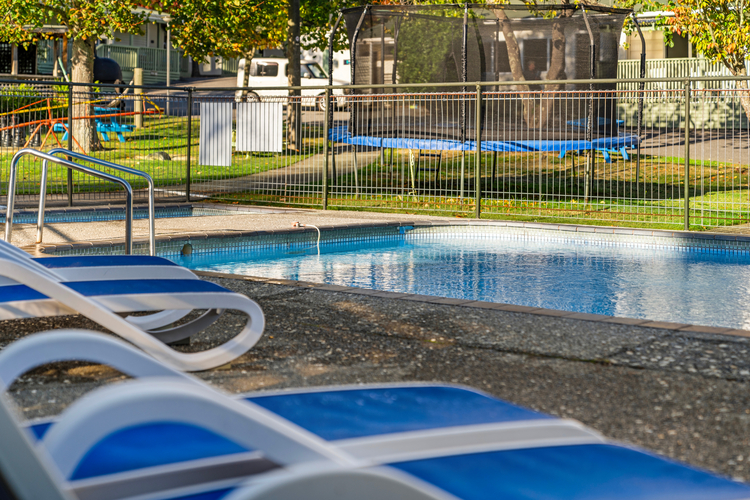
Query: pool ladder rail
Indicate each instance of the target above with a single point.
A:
(50, 157)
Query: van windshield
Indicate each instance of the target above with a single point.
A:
(313, 71)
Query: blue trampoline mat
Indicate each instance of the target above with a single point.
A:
(341, 134)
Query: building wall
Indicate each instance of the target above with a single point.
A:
(655, 46)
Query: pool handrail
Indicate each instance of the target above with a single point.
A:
(113, 166)
(74, 166)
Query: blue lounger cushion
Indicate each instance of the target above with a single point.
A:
(102, 260)
(369, 412)
(14, 293)
(567, 472)
(585, 472)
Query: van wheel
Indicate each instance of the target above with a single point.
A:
(252, 97)
(320, 103)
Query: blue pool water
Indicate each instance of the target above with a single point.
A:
(658, 283)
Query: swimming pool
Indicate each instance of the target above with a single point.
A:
(704, 282)
(95, 214)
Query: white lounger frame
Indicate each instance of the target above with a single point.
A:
(168, 395)
(103, 310)
(97, 273)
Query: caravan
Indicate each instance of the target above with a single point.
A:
(273, 72)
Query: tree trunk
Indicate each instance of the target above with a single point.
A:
(84, 130)
(514, 51)
(248, 57)
(536, 113)
(556, 70)
(294, 109)
(528, 102)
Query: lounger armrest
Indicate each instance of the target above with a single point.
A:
(107, 410)
(78, 345)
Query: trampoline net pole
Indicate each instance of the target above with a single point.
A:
(589, 174)
(464, 71)
(353, 52)
(641, 87)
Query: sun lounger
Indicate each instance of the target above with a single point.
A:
(169, 435)
(96, 267)
(41, 294)
(106, 267)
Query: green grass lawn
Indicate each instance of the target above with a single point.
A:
(533, 187)
(165, 134)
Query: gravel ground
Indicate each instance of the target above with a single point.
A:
(680, 394)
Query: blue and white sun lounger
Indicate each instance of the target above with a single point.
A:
(170, 436)
(106, 267)
(29, 292)
(97, 267)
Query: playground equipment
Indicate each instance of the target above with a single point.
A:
(105, 114)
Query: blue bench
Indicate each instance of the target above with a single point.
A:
(105, 128)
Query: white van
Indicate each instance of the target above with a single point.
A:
(272, 72)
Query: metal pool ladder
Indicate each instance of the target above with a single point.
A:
(49, 157)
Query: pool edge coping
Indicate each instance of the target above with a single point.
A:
(51, 248)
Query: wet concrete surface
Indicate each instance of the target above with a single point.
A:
(681, 394)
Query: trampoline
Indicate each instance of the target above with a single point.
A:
(605, 145)
(537, 47)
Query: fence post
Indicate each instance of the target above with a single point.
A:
(478, 166)
(138, 104)
(70, 143)
(687, 155)
(189, 141)
(326, 132)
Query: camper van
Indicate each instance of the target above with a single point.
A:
(272, 72)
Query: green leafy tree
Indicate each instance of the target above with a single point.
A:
(424, 48)
(317, 19)
(86, 21)
(718, 29)
(226, 28)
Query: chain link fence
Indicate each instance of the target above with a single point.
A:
(582, 153)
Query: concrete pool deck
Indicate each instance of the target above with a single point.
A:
(676, 391)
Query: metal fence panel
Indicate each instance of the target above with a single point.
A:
(260, 127)
(216, 134)
(412, 152)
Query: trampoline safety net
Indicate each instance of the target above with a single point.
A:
(411, 44)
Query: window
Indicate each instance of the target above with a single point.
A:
(264, 69)
(501, 58)
(536, 50)
(313, 70)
